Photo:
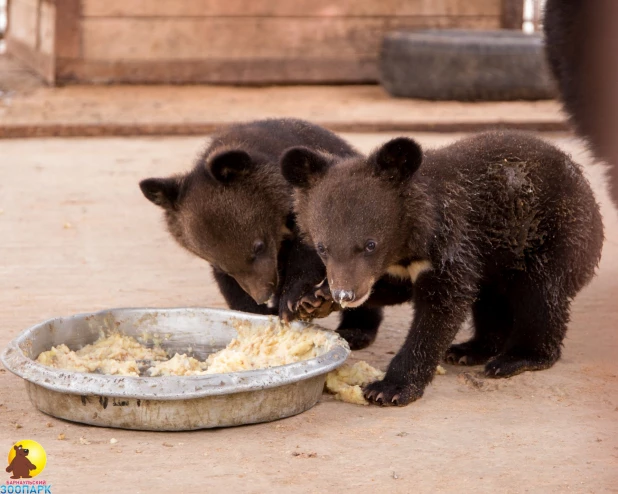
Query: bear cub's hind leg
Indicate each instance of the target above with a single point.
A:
(540, 316)
(493, 322)
(359, 327)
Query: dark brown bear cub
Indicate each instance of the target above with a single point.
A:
(502, 225)
(234, 209)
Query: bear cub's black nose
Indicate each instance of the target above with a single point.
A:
(343, 296)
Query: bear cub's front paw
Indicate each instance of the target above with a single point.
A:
(387, 393)
(317, 304)
(307, 304)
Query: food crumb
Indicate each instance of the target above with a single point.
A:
(346, 382)
(168, 445)
(49, 424)
(61, 437)
(67, 225)
(18, 426)
(83, 440)
(440, 370)
(113, 440)
(304, 455)
(138, 451)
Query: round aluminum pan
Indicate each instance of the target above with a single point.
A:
(167, 403)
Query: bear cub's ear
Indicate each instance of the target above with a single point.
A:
(302, 167)
(161, 191)
(399, 158)
(228, 166)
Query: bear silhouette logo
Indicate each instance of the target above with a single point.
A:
(26, 460)
(21, 465)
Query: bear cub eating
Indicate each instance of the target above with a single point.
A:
(501, 224)
(234, 210)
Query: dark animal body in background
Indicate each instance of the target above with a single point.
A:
(234, 209)
(502, 225)
(582, 47)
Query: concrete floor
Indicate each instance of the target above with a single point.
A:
(76, 235)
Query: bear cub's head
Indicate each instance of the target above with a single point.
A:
(364, 215)
(20, 451)
(231, 211)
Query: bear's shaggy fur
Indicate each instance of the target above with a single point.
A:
(234, 209)
(581, 45)
(501, 224)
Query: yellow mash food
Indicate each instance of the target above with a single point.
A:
(118, 354)
(273, 345)
(347, 382)
(178, 365)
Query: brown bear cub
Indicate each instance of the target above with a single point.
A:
(501, 224)
(234, 209)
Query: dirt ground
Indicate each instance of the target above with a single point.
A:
(76, 235)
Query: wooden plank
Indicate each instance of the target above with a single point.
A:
(23, 16)
(7, 21)
(41, 63)
(141, 129)
(246, 38)
(512, 16)
(537, 16)
(47, 28)
(347, 64)
(248, 71)
(30, 3)
(68, 28)
(288, 8)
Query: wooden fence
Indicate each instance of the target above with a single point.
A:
(227, 41)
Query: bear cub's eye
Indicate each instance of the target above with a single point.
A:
(321, 249)
(258, 247)
(370, 246)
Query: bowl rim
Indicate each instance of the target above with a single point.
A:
(169, 387)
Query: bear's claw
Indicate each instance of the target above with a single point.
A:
(503, 366)
(385, 393)
(467, 353)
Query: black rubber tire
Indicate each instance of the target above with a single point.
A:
(465, 65)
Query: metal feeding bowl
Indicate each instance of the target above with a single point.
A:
(167, 403)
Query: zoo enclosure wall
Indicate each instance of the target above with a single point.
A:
(227, 41)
